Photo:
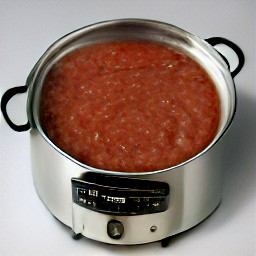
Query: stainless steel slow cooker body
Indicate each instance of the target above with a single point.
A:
(194, 187)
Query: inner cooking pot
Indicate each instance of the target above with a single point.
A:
(128, 208)
(138, 30)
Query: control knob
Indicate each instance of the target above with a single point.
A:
(115, 229)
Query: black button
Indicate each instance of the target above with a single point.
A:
(115, 229)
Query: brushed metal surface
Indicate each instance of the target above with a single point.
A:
(195, 184)
(195, 193)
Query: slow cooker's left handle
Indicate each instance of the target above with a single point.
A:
(5, 99)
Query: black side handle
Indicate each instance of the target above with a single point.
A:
(220, 40)
(5, 99)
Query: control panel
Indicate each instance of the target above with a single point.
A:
(120, 195)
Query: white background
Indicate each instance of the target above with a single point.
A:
(27, 29)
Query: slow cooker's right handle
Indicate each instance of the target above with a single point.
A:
(220, 40)
(5, 99)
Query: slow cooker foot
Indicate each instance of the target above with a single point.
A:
(165, 242)
(77, 236)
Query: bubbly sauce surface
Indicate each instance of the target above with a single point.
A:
(129, 106)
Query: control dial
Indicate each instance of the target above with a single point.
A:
(115, 229)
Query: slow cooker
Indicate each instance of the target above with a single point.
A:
(122, 207)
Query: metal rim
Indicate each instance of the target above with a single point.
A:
(34, 120)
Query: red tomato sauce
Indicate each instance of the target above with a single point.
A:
(129, 106)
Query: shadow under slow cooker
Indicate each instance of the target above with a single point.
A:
(238, 157)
